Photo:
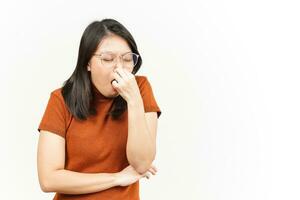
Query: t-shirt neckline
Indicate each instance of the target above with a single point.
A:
(98, 95)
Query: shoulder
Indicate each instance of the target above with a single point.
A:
(57, 93)
(141, 80)
(57, 97)
(58, 102)
(144, 85)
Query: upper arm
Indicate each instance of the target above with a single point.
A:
(50, 154)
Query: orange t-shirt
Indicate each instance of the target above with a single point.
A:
(98, 144)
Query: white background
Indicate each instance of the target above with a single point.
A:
(225, 74)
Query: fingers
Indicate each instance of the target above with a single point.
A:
(150, 171)
(129, 74)
(120, 76)
(115, 83)
(121, 73)
(153, 172)
(117, 78)
(147, 175)
(154, 168)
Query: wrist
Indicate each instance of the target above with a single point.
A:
(116, 178)
(135, 102)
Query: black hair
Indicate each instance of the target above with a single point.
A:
(77, 90)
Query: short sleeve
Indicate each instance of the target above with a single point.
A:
(54, 118)
(150, 104)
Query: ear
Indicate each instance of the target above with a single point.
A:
(89, 67)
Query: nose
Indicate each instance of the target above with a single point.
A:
(118, 62)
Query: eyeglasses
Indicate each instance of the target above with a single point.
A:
(129, 60)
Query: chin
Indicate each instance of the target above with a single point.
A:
(114, 94)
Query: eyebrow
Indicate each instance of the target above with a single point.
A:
(113, 52)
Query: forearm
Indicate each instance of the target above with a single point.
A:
(70, 182)
(140, 145)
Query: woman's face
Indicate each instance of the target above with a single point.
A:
(102, 75)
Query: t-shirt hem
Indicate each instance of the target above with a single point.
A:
(51, 129)
(153, 109)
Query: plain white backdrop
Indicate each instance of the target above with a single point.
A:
(224, 73)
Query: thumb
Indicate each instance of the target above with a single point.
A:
(114, 83)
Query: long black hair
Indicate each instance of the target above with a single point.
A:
(77, 90)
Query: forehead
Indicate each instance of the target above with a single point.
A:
(113, 43)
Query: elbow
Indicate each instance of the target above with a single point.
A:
(45, 184)
(142, 164)
(47, 181)
(142, 167)
(45, 187)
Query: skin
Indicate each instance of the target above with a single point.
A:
(101, 76)
(141, 134)
(118, 80)
(54, 178)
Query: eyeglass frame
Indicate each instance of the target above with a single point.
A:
(117, 56)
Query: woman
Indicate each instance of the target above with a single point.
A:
(98, 132)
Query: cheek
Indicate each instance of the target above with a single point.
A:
(101, 74)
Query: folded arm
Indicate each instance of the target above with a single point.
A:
(54, 178)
